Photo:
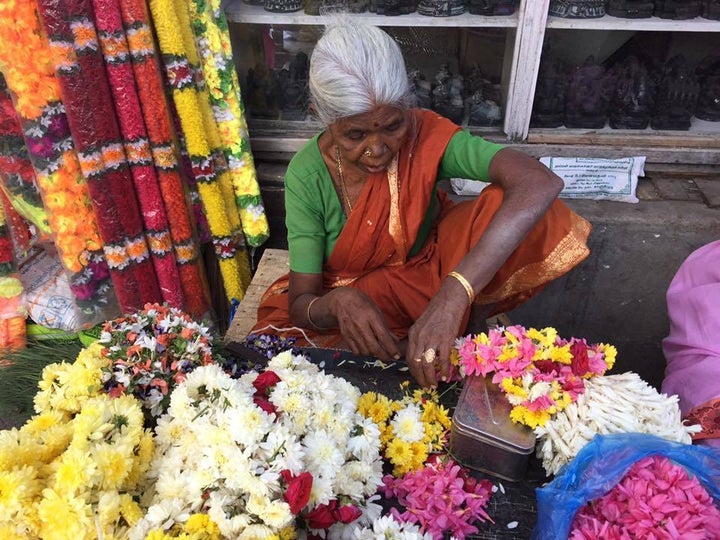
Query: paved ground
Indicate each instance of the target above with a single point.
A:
(618, 294)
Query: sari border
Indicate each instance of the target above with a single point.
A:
(569, 251)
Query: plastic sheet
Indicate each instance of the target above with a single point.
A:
(601, 464)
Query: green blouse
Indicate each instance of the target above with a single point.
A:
(314, 215)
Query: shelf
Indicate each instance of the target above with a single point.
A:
(239, 12)
(652, 24)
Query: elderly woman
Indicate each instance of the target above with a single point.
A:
(381, 262)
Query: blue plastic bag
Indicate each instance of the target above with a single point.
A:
(600, 466)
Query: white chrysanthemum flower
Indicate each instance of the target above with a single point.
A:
(323, 457)
(321, 491)
(365, 439)
(407, 424)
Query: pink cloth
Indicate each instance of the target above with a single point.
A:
(692, 349)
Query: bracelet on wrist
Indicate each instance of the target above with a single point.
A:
(309, 317)
(465, 284)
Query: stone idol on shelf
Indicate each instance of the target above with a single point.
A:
(259, 92)
(577, 9)
(481, 99)
(421, 87)
(441, 8)
(393, 7)
(447, 94)
(711, 9)
(633, 98)
(708, 104)
(325, 7)
(283, 6)
(588, 96)
(549, 103)
(291, 88)
(492, 7)
(677, 9)
(630, 9)
(677, 95)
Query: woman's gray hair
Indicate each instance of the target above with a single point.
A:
(354, 68)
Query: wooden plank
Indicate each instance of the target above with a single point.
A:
(631, 138)
(273, 264)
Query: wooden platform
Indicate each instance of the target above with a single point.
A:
(273, 264)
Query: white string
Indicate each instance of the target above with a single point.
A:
(310, 341)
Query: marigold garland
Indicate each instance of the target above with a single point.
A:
(108, 20)
(148, 79)
(25, 61)
(82, 78)
(213, 41)
(176, 43)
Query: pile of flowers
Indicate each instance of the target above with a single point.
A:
(655, 499)
(411, 429)
(258, 452)
(540, 372)
(151, 352)
(441, 498)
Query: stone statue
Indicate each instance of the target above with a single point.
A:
(421, 87)
(447, 98)
(291, 88)
(708, 104)
(259, 92)
(577, 9)
(711, 9)
(440, 8)
(549, 103)
(492, 7)
(677, 95)
(283, 6)
(588, 96)
(677, 9)
(630, 9)
(482, 112)
(633, 98)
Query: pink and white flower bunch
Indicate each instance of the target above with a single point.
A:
(540, 372)
(657, 500)
(441, 498)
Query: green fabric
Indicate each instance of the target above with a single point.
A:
(314, 215)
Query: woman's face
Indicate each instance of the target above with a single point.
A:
(371, 140)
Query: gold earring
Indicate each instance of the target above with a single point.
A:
(368, 152)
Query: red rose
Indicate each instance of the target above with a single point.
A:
(348, 513)
(580, 362)
(264, 381)
(297, 493)
(265, 404)
(323, 516)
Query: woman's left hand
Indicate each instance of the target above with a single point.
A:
(433, 335)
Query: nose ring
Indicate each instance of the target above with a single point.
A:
(368, 152)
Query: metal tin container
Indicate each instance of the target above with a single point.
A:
(483, 437)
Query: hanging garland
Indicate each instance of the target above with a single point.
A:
(213, 41)
(12, 315)
(137, 148)
(26, 65)
(176, 43)
(148, 79)
(90, 111)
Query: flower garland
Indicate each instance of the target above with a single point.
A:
(411, 428)
(172, 28)
(25, 61)
(151, 352)
(655, 499)
(540, 372)
(288, 443)
(16, 170)
(12, 315)
(82, 78)
(213, 41)
(108, 20)
(148, 79)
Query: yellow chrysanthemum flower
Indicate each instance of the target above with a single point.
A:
(561, 354)
(610, 353)
(523, 415)
(400, 454)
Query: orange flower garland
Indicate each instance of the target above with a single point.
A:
(25, 63)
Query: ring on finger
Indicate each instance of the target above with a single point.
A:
(429, 356)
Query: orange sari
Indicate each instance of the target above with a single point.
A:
(371, 253)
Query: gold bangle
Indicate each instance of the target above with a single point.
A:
(309, 318)
(466, 285)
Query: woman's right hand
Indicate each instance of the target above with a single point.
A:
(362, 324)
